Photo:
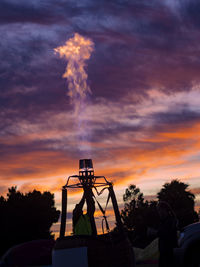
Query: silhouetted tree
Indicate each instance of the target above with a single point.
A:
(137, 211)
(139, 214)
(181, 200)
(26, 217)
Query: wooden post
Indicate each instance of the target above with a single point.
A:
(63, 212)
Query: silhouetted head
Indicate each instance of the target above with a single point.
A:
(165, 210)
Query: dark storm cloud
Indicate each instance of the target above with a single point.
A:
(139, 45)
(190, 11)
(113, 130)
(11, 12)
(132, 40)
(177, 117)
(28, 81)
(39, 12)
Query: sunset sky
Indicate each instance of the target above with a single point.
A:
(143, 113)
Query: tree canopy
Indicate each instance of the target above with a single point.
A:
(137, 211)
(181, 200)
(26, 217)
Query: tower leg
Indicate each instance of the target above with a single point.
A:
(116, 208)
(63, 212)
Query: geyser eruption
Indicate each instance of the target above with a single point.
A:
(77, 50)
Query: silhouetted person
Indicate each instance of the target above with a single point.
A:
(138, 237)
(84, 224)
(167, 234)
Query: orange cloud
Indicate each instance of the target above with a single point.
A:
(127, 158)
(35, 165)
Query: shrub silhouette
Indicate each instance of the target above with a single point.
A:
(26, 217)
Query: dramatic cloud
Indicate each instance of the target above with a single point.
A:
(143, 112)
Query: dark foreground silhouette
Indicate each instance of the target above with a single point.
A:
(26, 217)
